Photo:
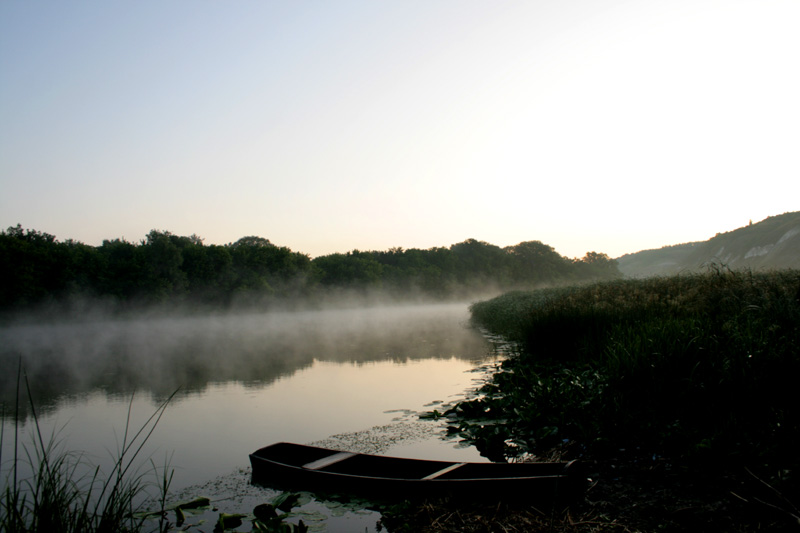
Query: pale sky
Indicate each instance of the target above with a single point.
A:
(594, 125)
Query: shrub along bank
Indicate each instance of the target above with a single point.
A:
(695, 375)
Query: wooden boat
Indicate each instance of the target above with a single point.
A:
(300, 467)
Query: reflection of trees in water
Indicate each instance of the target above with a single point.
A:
(160, 355)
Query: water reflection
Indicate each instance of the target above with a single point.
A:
(248, 380)
(159, 355)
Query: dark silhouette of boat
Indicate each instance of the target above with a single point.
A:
(300, 467)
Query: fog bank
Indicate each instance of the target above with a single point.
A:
(159, 352)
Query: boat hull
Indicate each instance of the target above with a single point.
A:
(299, 467)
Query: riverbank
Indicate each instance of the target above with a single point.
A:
(624, 496)
(677, 394)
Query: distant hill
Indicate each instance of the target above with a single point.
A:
(773, 243)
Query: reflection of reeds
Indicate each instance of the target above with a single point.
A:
(66, 493)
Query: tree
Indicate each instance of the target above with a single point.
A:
(164, 260)
(481, 261)
(207, 268)
(84, 268)
(33, 266)
(124, 269)
(260, 265)
(351, 269)
(252, 241)
(538, 262)
(596, 265)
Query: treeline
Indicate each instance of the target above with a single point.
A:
(37, 268)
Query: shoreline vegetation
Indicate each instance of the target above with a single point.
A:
(48, 488)
(169, 272)
(677, 393)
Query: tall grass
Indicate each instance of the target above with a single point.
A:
(696, 367)
(66, 493)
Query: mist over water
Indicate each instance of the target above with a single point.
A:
(160, 354)
(246, 379)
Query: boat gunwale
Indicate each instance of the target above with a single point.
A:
(449, 466)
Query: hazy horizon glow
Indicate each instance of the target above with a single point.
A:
(603, 125)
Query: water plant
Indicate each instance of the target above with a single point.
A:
(272, 517)
(67, 493)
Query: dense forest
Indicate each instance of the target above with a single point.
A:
(163, 267)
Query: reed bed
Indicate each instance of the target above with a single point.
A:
(699, 368)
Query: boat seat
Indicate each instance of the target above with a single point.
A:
(327, 461)
(444, 470)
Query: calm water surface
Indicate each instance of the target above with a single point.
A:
(355, 377)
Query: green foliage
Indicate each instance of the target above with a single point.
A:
(351, 269)
(538, 262)
(34, 265)
(36, 268)
(124, 269)
(265, 517)
(699, 367)
(478, 260)
(165, 267)
(68, 494)
(206, 267)
(164, 258)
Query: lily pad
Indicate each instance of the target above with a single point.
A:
(229, 521)
(286, 501)
(196, 503)
(265, 512)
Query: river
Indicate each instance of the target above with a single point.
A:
(350, 378)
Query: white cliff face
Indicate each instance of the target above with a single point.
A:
(724, 259)
(784, 252)
(758, 251)
(788, 235)
(773, 243)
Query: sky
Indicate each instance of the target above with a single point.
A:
(590, 125)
